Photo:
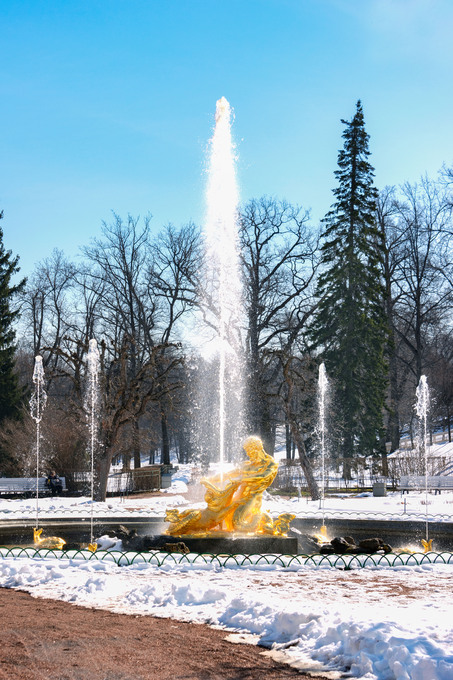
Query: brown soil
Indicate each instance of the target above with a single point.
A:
(52, 640)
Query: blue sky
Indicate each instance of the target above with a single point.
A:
(109, 105)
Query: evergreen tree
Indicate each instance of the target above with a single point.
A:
(349, 328)
(10, 393)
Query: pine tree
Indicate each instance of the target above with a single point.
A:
(10, 393)
(349, 328)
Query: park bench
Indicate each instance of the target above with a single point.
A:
(25, 486)
(436, 483)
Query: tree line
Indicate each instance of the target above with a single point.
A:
(368, 292)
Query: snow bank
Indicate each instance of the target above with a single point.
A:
(302, 615)
(360, 506)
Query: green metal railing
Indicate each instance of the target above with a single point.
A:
(405, 514)
(256, 561)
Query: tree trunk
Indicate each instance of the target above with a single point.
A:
(102, 474)
(296, 435)
(304, 462)
(165, 457)
(288, 439)
(126, 461)
(136, 443)
(347, 469)
(393, 425)
(385, 464)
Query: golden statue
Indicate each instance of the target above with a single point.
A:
(234, 501)
(427, 545)
(51, 542)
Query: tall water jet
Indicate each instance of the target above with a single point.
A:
(92, 408)
(234, 497)
(422, 409)
(322, 396)
(37, 404)
(222, 386)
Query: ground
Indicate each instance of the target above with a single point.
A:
(53, 640)
(384, 620)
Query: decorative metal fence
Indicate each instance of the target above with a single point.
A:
(257, 561)
(82, 512)
(290, 477)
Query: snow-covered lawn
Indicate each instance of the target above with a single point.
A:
(374, 623)
(371, 623)
(182, 494)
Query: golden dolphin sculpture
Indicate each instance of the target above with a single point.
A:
(234, 507)
(52, 542)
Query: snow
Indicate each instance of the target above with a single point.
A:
(409, 507)
(373, 623)
(380, 622)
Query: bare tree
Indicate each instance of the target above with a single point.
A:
(126, 317)
(424, 294)
(172, 283)
(279, 254)
(131, 293)
(417, 271)
(295, 391)
(393, 240)
(47, 307)
(440, 377)
(446, 178)
(125, 399)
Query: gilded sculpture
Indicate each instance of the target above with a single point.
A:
(234, 501)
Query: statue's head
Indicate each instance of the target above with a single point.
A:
(253, 447)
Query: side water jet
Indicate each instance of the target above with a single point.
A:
(322, 396)
(37, 405)
(422, 409)
(92, 407)
(221, 392)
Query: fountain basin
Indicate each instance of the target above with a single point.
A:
(230, 545)
(398, 534)
(73, 530)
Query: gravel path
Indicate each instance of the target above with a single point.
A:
(52, 640)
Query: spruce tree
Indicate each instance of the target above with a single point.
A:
(10, 393)
(349, 329)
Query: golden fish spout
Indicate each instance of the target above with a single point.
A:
(427, 545)
(51, 542)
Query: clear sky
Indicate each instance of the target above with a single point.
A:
(108, 105)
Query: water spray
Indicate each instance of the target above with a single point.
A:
(222, 277)
(37, 404)
(322, 392)
(93, 364)
(422, 409)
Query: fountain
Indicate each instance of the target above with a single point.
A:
(92, 404)
(232, 520)
(38, 403)
(322, 394)
(234, 508)
(233, 499)
(422, 409)
(219, 420)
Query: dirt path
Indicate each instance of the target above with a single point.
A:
(52, 640)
